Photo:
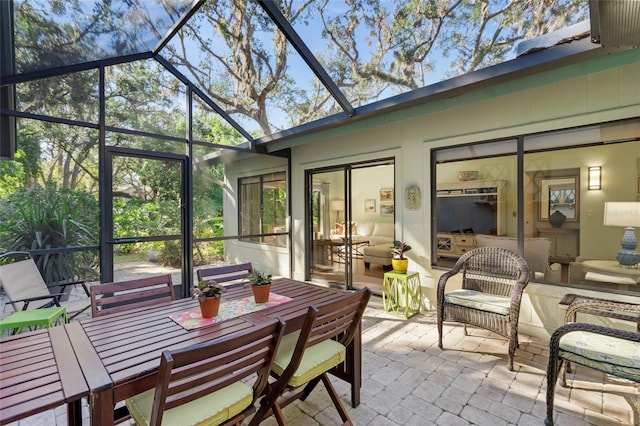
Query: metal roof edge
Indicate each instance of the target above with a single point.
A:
(572, 52)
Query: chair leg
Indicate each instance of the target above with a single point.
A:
(336, 400)
(512, 352)
(263, 411)
(554, 367)
(309, 388)
(465, 329)
(439, 330)
(278, 414)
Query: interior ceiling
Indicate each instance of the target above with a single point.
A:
(274, 69)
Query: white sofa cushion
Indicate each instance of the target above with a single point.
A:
(365, 228)
(383, 229)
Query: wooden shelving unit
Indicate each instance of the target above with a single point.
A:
(455, 245)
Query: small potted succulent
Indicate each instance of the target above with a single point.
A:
(260, 283)
(399, 262)
(208, 294)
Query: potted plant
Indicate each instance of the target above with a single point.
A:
(208, 294)
(260, 283)
(399, 262)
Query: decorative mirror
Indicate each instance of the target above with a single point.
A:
(559, 194)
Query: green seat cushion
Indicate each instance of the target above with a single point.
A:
(211, 409)
(611, 355)
(316, 360)
(482, 301)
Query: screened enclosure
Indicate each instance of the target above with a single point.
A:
(119, 118)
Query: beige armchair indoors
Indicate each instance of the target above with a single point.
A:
(536, 254)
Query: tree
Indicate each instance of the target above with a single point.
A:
(372, 49)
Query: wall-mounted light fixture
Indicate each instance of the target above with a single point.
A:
(595, 178)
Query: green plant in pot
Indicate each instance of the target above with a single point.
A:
(399, 262)
(209, 295)
(260, 283)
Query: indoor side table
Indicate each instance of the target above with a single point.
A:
(33, 319)
(401, 293)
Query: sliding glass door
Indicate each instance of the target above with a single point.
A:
(326, 215)
(344, 211)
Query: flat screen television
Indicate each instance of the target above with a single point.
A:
(469, 214)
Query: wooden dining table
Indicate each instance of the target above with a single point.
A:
(119, 354)
(39, 371)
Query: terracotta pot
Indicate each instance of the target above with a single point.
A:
(210, 307)
(261, 293)
(400, 265)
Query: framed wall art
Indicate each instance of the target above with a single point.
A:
(386, 195)
(412, 197)
(370, 206)
(387, 209)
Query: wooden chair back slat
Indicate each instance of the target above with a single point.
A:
(110, 298)
(189, 373)
(335, 319)
(227, 274)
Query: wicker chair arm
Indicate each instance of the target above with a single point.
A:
(442, 281)
(596, 307)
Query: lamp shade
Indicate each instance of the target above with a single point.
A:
(622, 214)
(337, 205)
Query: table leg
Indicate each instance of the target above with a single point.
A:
(74, 413)
(102, 405)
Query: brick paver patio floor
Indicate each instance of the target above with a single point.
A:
(408, 380)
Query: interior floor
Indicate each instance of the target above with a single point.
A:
(362, 277)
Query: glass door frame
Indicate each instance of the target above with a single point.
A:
(347, 188)
(107, 274)
(346, 191)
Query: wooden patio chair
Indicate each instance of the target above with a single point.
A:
(110, 298)
(24, 286)
(306, 356)
(227, 274)
(210, 383)
(493, 280)
(609, 350)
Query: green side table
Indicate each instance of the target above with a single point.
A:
(33, 319)
(401, 293)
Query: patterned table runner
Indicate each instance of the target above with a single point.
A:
(228, 309)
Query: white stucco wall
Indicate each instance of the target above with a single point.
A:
(600, 92)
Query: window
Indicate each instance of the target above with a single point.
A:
(554, 185)
(263, 209)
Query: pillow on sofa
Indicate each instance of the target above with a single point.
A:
(383, 229)
(365, 228)
(339, 228)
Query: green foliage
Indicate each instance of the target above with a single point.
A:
(209, 288)
(12, 177)
(399, 248)
(51, 217)
(259, 278)
(171, 254)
